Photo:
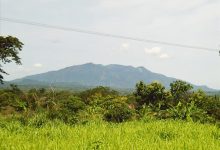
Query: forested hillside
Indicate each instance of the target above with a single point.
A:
(92, 75)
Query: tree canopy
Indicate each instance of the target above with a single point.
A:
(9, 50)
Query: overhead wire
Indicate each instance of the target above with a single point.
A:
(26, 22)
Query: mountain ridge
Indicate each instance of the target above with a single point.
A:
(112, 75)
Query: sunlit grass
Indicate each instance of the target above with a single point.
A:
(155, 135)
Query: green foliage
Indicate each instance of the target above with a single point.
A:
(180, 90)
(189, 112)
(73, 104)
(88, 95)
(67, 110)
(117, 111)
(178, 103)
(148, 101)
(151, 94)
(9, 50)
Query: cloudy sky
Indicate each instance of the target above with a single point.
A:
(191, 22)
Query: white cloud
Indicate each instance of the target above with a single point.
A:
(164, 56)
(124, 48)
(157, 52)
(125, 45)
(153, 51)
(38, 65)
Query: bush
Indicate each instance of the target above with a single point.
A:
(150, 100)
(88, 95)
(73, 104)
(117, 111)
(151, 94)
(189, 112)
(180, 91)
(67, 112)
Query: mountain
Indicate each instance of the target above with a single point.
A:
(116, 76)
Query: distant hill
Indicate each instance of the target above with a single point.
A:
(26, 84)
(115, 76)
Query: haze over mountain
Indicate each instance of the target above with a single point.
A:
(89, 74)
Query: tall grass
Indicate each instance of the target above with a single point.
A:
(155, 135)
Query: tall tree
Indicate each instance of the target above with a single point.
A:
(9, 50)
(180, 90)
(150, 94)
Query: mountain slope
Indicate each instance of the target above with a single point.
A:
(117, 76)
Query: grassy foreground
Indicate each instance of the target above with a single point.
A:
(155, 135)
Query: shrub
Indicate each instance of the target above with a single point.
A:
(151, 94)
(88, 95)
(73, 104)
(68, 110)
(180, 91)
(117, 111)
(189, 112)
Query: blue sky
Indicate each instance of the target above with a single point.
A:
(194, 22)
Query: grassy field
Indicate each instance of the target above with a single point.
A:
(155, 135)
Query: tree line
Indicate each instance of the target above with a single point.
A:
(152, 101)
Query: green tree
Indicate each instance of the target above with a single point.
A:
(208, 103)
(9, 50)
(117, 110)
(156, 93)
(140, 94)
(180, 91)
(91, 95)
(151, 94)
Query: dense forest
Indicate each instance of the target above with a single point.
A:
(180, 102)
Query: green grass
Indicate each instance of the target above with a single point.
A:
(155, 135)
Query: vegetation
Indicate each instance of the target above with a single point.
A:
(9, 50)
(101, 103)
(152, 117)
(143, 134)
(101, 118)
